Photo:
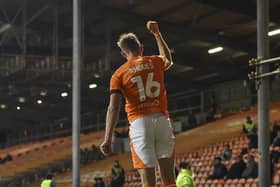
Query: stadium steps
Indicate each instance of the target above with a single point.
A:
(204, 138)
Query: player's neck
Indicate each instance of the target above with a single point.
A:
(132, 56)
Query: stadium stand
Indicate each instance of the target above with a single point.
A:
(198, 146)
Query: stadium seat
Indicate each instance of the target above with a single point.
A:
(229, 181)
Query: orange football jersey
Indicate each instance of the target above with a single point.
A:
(141, 81)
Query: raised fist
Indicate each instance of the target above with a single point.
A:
(152, 26)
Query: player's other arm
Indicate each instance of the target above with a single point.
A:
(164, 50)
(112, 117)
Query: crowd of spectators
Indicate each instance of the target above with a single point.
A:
(90, 154)
(87, 155)
(245, 165)
(241, 168)
(236, 169)
(249, 168)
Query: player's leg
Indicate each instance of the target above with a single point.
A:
(165, 144)
(167, 172)
(143, 149)
(148, 178)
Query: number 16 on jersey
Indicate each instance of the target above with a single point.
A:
(146, 91)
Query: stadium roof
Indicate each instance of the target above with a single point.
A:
(191, 28)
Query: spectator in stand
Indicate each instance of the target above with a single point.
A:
(48, 182)
(99, 182)
(87, 154)
(95, 153)
(276, 140)
(218, 115)
(236, 169)
(248, 125)
(192, 120)
(275, 154)
(7, 158)
(211, 114)
(275, 129)
(185, 178)
(253, 139)
(84, 155)
(220, 171)
(244, 151)
(118, 176)
(212, 110)
(251, 170)
(227, 153)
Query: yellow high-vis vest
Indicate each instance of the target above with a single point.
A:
(46, 183)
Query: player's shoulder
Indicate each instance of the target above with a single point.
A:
(155, 58)
(121, 69)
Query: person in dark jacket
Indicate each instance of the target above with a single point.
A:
(118, 176)
(274, 130)
(99, 182)
(227, 153)
(236, 169)
(253, 139)
(276, 140)
(220, 170)
(251, 170)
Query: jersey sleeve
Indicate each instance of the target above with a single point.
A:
(166, 64)
(115, 84)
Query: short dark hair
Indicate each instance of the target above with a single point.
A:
(218, 158)
(184, 165)
(129, 42)
(49, 176)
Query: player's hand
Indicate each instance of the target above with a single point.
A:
(105, 148)
(152, 26)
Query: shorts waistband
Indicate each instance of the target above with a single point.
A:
(151, 115)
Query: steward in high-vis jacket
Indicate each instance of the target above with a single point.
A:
(248, 125)
(48, 182)
(185, 178)
(118, 176)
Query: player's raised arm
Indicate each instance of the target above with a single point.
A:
(164, 51)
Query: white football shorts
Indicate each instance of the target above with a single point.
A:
(151, 138)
